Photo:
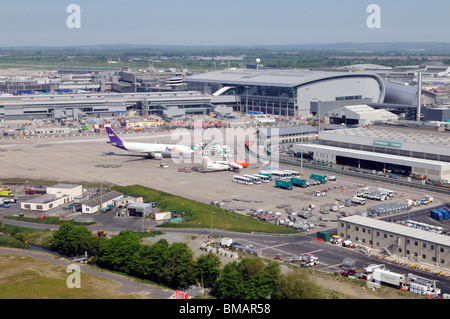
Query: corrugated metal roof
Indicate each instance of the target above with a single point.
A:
(286, 130)
(105, 197)
(398, 229)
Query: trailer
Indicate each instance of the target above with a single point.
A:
(283, 184)
(298, 182)
(320, 178)
(389, 278)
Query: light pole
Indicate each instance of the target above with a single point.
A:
(212, 223)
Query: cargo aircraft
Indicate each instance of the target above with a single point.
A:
(154, 150)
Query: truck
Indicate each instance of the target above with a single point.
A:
(6, 193)
(298, 182)
(320, 178)
(308, 260)
(283, 184)
(358, 200)
(389, 278)
(428, 198)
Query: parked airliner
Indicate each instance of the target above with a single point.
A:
(154, 150)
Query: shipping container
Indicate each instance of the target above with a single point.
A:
(323, 235)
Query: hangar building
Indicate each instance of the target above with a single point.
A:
(286, 92)
(402, 150)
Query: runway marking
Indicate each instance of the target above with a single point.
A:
(271, 247)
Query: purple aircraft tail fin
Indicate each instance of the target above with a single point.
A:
(113, 138)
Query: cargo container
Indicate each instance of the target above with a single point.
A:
(323, 235)
(283, 184)
(436, 214)
(320, 178)
(445, 214)
(298, 182)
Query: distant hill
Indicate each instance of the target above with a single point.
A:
(424, 47)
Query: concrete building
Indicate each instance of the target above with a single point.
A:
(69, 190)
(285, 91)
(397, 240)
(286, 134)
(43, 203)
(103, 201)
(75, 106)
(359, 114)
(55, 196)
(403, 150)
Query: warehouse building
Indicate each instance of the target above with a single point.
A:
(397, 240)
(285, 91)
(402, 150)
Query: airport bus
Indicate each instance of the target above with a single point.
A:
(281, 175)
(242, 180)
(293, 173)
(255, 179)
(264, 178)
(268, 174)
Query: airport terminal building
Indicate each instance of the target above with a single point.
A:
(287, 92)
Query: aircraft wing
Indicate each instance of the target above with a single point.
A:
(235, 165)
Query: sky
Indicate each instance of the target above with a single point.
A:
(226, 22)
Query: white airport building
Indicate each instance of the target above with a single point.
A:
(286, 92)
(403, 150)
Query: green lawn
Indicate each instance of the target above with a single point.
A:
(198, 215)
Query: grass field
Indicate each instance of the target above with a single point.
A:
(30, 278)
(198, 215)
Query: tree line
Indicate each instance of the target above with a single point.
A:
(173, 265)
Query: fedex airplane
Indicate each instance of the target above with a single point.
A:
(153, 150)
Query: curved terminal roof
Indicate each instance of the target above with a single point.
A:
(275, 77)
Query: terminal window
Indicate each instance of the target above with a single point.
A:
(349, 97)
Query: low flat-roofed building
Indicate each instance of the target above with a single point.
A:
(102, 201)
(44, 202)
(398, 240)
